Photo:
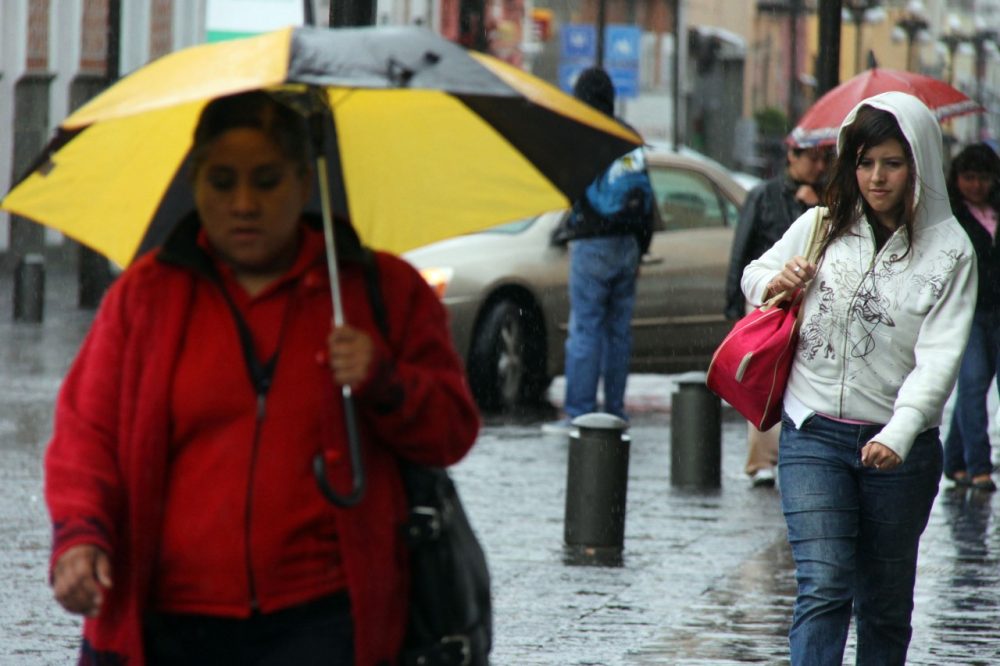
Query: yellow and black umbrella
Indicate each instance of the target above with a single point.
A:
(426, 141)
(431, 141)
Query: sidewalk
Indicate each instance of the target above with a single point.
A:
(707, 576)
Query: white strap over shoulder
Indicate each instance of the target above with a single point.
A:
(811, 253)
(815, 235)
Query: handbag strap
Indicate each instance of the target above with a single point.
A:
(812, 253)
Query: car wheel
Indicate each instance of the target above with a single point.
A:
(506, 364)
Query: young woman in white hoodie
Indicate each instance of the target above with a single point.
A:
(884, 323)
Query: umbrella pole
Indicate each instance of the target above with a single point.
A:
(350, 414)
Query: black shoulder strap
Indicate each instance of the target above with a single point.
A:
(373, 283)
(261, 373)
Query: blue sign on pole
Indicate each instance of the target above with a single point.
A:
(621, 45)
(626, 80)
(621, 56)
(579, 42)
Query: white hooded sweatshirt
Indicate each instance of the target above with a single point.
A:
(882, 337)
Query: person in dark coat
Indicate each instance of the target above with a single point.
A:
(974, 190)
(770, 208)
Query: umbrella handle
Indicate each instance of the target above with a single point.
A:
(357, 465)
(350, 415)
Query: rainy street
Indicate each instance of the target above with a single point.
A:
(706, 576)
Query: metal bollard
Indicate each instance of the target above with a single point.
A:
(29, 288)
(596, 490)
(695, 434)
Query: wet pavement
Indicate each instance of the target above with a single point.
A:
(706, 576)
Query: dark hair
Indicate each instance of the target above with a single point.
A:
(594, 87)
(870, 128)
(256, 110)
(975, 158)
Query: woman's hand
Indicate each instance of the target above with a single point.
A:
(351, 351)
(796, 273)
(79, 579)
(879, 456)
(807, 194)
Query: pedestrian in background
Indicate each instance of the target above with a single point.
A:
(608, 229)
(770, 208)
(974, 190)
(883, 328)
(187, 525)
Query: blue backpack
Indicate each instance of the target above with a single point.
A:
(619, 202)
(623, 194)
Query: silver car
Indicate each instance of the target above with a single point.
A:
(507, 296)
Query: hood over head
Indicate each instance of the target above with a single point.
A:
(923, 133)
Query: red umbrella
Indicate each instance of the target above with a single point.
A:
(821, 123)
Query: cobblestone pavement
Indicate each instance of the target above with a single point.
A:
(706, 576)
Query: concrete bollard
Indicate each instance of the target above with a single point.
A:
(695, 434)
(596, 490)
(29, 288)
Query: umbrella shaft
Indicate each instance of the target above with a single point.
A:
(331, 249)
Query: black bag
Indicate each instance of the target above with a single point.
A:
(450, 617)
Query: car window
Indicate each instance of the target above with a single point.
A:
(688, 200)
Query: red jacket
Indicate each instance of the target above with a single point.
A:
(106, 464)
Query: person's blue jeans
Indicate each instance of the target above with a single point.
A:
(602, 274)
(967, 446)
(854, 533)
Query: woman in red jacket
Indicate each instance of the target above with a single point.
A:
(188, 528)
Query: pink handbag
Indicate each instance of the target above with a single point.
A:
(750, 367)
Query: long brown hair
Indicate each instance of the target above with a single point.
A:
(870, 128)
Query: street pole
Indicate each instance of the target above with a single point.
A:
(858, 10)
(352, 13)
(857, 20)
(979, 41)
(602, 19)
(911, 24)
(794, 9)
(828, 65)
(93, 271)
(951, 42)
(679, 137)
(472, 25)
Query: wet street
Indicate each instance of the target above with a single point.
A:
(706, 576)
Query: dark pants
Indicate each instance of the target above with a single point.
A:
(316, 633)
(967, 447)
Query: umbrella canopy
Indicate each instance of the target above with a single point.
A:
(431, 140)
(821, 123)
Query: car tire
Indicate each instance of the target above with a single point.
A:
(506, 364)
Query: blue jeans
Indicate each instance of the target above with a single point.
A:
(602, 274)
(854, 533)
(967, 447)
